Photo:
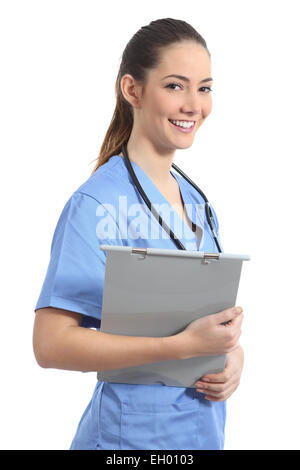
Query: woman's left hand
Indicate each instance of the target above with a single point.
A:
(219, 387)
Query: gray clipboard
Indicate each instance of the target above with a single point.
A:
(155, 292)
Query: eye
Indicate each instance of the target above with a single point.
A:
(207, 88)
(170, 85)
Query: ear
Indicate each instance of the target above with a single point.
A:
(131, 90)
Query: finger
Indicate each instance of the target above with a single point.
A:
(217, 387)
(211, 388)
(227, 315)
(228, 376)
(237, 321)
(220, 377)
(235, 324)
(221, 396)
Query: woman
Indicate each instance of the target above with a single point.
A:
(154, 108)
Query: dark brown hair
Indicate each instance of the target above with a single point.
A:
(141, 54)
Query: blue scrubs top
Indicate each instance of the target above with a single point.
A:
(107, 209)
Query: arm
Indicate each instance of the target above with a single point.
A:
(59, 342)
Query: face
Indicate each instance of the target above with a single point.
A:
(165, 99)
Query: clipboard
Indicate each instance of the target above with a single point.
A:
(156, 292)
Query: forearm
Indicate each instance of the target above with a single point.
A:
(82, 349)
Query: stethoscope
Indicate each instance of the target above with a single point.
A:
(208, 211)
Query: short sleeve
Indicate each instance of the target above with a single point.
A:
(75, 276)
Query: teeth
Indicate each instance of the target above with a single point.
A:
(185, 124)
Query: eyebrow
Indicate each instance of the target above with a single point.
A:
(185, 79)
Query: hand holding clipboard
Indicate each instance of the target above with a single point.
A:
(214, 334)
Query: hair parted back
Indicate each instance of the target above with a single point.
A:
(141, 54)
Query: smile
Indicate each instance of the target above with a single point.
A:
(183, 126)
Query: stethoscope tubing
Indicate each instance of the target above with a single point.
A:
(208, 212)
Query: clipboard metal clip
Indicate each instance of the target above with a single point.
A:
(139, 251)
(209, 256)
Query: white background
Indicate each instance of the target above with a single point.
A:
(59, 63)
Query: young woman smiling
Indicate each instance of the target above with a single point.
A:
(163, 91)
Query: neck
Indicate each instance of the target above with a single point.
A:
(154, 162)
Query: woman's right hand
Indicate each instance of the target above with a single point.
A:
(207, 336)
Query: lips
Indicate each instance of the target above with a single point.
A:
(183, 129)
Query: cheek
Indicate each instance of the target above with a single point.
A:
(163, 105)
(155, 110)
(207, 108)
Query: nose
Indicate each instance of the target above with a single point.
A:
(196, 106)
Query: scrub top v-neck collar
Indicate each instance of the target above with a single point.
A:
(156, 197)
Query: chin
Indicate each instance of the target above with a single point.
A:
(185, 146)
